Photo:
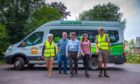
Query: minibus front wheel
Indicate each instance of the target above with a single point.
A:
(19, 63)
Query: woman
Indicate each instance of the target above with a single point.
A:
(49, 52)
(86, 52)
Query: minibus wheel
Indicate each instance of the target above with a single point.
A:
(93, 63)
(19, 63)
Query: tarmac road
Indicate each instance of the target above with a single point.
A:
(119, 74)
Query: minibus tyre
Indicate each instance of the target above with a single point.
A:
(31, 65)
(93, 64)
(19, 63)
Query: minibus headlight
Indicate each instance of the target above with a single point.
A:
(10, 48)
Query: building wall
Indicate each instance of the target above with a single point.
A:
(138, 42)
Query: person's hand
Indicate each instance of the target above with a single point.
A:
(55, 57)
(97, 51)
(90, 55)
(83, 54)
(67, 55)
(109, 52)
(78, 56)
(43, 57)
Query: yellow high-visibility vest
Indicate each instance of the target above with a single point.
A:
(103, 43)
(49, 49)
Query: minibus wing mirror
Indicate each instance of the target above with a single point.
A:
(22, 44)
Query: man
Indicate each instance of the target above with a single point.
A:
(62, 51)
(103, 50)
(73, 53)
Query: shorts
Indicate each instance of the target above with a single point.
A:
(49, 58)
(103, 56)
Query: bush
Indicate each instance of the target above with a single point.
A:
(2, 61)
(3, 40)
(133, 59)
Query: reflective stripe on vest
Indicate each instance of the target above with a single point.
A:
(49, 49)
(102, 43)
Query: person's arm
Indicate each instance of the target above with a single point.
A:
(43, 51)
(90, 48)
(67, 46)
(79, 48)
(97, 49)
(96, 41)
(109, 44)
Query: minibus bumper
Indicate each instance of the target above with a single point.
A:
(8, 59)
(117, 59)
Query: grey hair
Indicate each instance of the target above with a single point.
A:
(100, 28)
(50, 35)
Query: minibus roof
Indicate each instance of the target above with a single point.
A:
(85, 23)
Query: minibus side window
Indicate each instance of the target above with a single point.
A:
(114, 35)
(57, 35)
(91, 34)
(34, 39)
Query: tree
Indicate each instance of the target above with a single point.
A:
(20, 16)
(49, 12)
(15, 13)
(131, 46)
(105, 12)
(132, 43)
(3, 39)
(43, 15)
(61, 7)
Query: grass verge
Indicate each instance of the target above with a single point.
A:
(134, 59)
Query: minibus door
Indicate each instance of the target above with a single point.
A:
(34, 45)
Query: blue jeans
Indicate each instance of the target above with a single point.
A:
(62, 61)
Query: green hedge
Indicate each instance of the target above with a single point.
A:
(2, 61)
(1, 55)
(2, 58)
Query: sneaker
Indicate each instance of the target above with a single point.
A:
(106, 75)
(71, 75)
(65, 73)
(87, 75)
(50, 76)
(100, 74)
(75, 72)
(59, 72)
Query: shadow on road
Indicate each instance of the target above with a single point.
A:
(43, 68)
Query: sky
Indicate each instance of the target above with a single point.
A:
(129, 8)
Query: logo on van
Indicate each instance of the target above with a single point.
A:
(71, 22)
(34, 50)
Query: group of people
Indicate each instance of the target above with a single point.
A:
(69, 50)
